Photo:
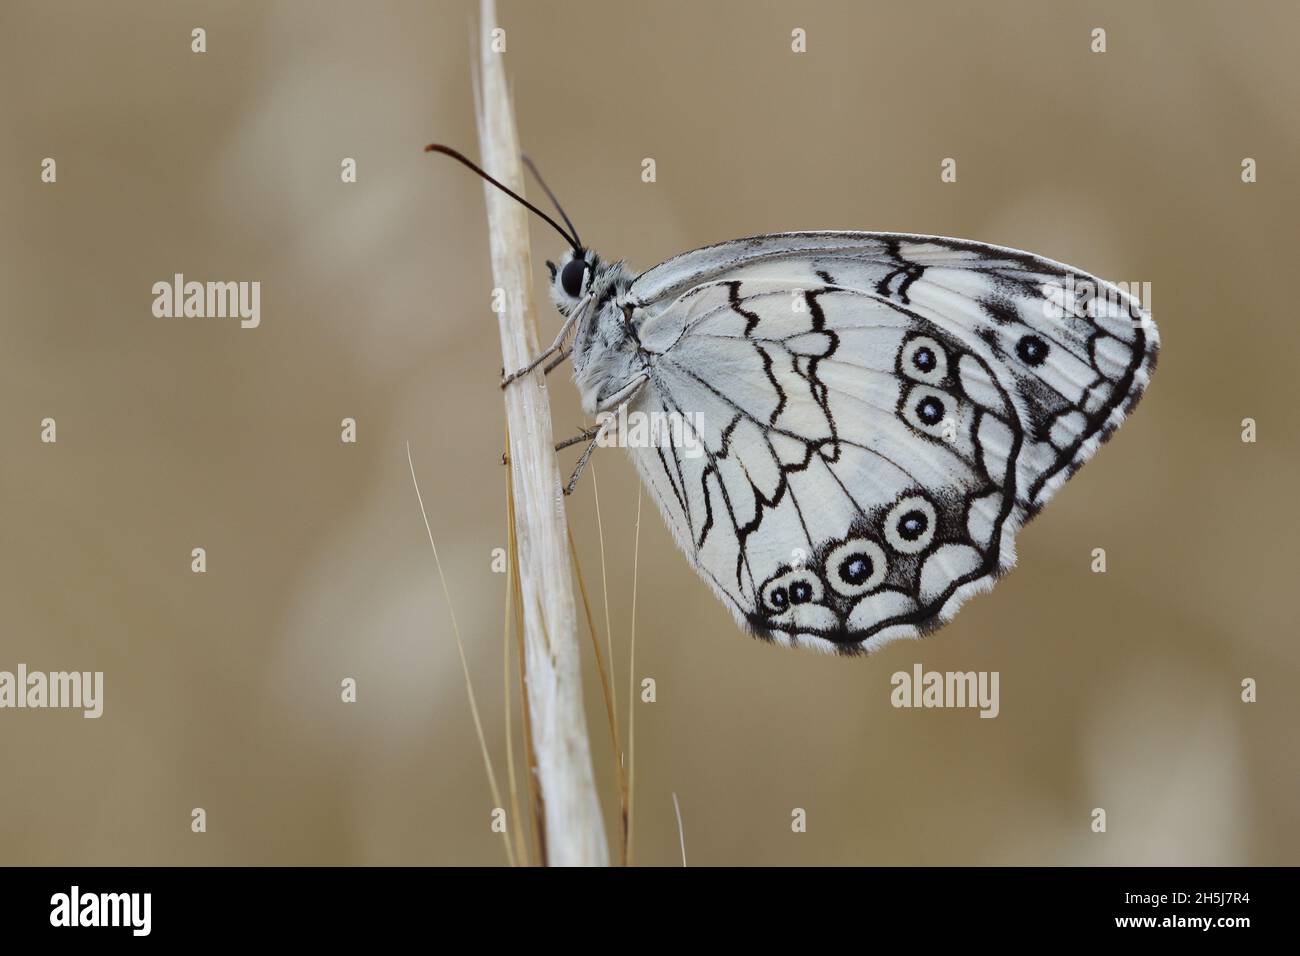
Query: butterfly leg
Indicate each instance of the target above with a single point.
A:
(558, 360)
(587, 434)
(556, 346)
(586, 455)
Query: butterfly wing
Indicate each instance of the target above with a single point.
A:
(874, 417)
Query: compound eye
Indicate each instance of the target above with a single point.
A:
(571, 277)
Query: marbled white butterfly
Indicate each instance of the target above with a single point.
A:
(880, 413)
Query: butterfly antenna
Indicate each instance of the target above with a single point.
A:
(465, 161)
(551, 196)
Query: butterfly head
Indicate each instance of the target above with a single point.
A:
(572, 277)
(581, 273)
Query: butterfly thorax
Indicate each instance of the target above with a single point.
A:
(607, 357)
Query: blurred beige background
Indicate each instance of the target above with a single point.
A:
(222, 690)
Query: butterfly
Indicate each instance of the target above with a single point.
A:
(878, 413)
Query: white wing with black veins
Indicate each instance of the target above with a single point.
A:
(879, 416)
